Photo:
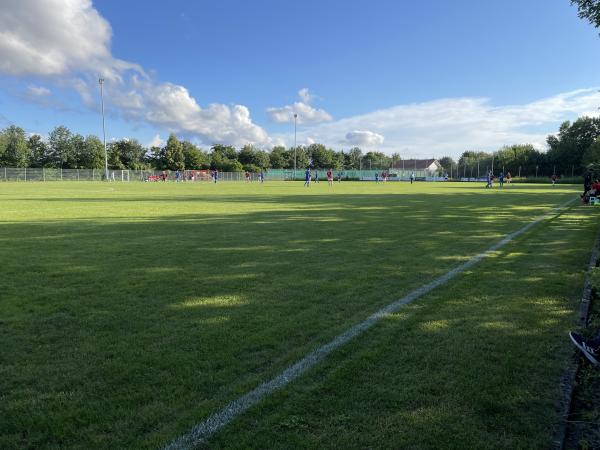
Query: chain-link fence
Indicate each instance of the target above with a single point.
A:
(53, 174)
(354, 174)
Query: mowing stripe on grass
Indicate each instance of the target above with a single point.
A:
(203, 430)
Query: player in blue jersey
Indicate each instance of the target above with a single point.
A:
(307, 177)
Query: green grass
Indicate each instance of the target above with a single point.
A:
(583, 431)
(129, 312)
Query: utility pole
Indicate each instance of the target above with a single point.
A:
(295, 142)
(101, 81)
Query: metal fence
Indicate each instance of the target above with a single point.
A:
(53, 174)
(354, 174)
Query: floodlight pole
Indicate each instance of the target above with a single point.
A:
(101, 81)
(295, 142)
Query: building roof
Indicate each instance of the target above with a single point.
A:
(415, 164)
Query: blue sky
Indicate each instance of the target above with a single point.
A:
(420, 78)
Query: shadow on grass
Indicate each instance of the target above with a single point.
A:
(123, 331)
(476, 366)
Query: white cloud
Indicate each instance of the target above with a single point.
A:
(171, 106)
(305, 95)
(68, 42)
(156, 141)
(56, 37)
(42, 96)
(364, 138)
(451, 126)
(307, 114)
(37, 91)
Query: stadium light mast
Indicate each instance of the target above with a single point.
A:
(101, 82)
(295, 142)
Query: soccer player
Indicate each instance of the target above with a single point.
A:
(316, 176)
(330, 177)
(376, 177)
(501, 179)
(553, 179)
(307, 177)
(587, 181)
(216, 175)
(412, 177)
(508, 178)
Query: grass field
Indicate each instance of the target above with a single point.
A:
(130, 312)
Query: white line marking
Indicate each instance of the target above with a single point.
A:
(203, 430)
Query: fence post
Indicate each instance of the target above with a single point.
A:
(61, 174)
(77, 174)
(25, 173)
(43, 174)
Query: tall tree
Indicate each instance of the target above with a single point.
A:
(591, 157)
(132, 154)
(247, 155)
(38, 150)
(114, 156)
(321, 156)
(224, 151)
(194, 158)
(61, 152)
(92, 154)
(279, 158)
(224, 158)
(447, 162)
(174, 154)
(79, 149)
(301, 155)
(156, 158)
(573, 139)
(15, 152)
(588, 10)
(353, 158)
(521, 158)
(376, 160)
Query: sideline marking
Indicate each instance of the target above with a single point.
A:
(203, 430)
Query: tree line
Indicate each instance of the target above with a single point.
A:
(68, 150)
(575, 147)
(570, 152)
